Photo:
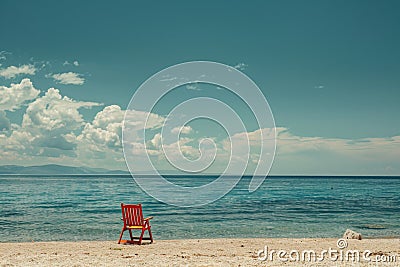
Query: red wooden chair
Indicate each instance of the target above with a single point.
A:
(132, 216)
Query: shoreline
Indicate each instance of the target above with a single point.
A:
(206, 238)
(196, 252)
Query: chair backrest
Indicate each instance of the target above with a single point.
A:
(132, 215)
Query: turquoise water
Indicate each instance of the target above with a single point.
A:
(87, 208)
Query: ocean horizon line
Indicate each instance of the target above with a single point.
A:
(204, 175)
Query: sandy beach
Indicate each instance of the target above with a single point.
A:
(201, 252)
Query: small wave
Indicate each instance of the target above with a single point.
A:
(373, 226)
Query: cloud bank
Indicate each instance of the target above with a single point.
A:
(68, 78)
(54, 130)
(13, 71)
(13, 97)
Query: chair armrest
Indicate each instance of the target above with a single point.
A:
(148, 218)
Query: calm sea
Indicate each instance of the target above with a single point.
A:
(44, 208)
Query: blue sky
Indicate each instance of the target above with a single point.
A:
(329, 70)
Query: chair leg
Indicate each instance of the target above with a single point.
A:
(130, 234)
(151, 236)
(141, 237)
(120, 236)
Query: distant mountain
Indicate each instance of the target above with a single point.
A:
(54, 169)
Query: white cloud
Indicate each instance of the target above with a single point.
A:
(319, 86)
(54, 112)
(182, 130)
(68, 78)
(75, 63)
(371, 148)
(53, 133)
(13, 97)
(324, 156)
(136, 120)
(50, 122)
(105, 130)
(13, 71)
(101, 140)
(168, 79)
(156, 141)
(318, 155)
(47, 130)
(53, 130)
(193, 86)
(240, 66)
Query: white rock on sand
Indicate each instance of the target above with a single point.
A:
(350, 234)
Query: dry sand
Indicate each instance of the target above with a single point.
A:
(193, 252)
